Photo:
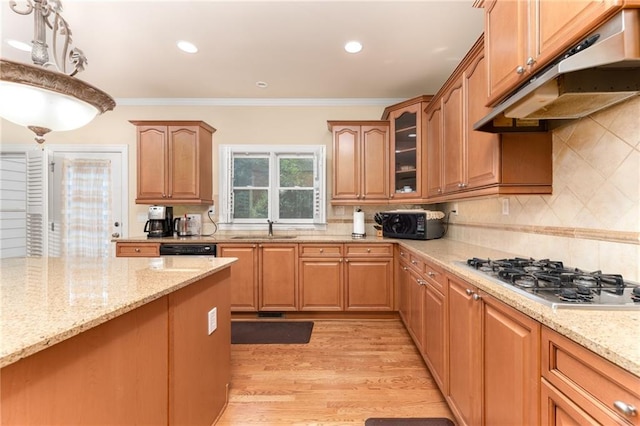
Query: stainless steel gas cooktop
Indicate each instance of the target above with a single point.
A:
(551, 283)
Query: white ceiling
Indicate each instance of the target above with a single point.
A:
(410, 47)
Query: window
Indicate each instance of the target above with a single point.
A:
(281, 183)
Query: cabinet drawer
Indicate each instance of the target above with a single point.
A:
(137, 249)
(593, 383)
(369, 250)
(320, 250)
(416, 262)
(435, 275)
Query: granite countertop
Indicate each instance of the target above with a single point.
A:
(46, 300)
(611, 334)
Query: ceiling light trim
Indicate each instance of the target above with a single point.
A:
(43, 78)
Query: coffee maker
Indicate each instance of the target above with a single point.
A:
(160, 223)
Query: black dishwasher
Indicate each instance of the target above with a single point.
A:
(188, 249)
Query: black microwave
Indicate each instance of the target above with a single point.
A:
(411, 225)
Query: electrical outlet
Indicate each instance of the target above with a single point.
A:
(505, 206)
(454, 209)
(212, 319)
(212, 209)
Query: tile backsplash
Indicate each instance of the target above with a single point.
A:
(592, 219)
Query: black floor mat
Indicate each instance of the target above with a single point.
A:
(436, 421)
(266, 332)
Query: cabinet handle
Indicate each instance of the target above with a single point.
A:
(520, 69)
(626, 409)
(469, 291)
(476, 297)
(530, 61)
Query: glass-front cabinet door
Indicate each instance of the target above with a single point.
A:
(406, 147)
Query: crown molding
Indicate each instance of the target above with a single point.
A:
(263, 102)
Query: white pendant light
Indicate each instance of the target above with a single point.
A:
(44, 99)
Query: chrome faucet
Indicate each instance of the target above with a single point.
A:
(270, 222)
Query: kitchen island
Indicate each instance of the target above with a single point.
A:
(114, 341)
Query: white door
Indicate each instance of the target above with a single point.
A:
(87, 199)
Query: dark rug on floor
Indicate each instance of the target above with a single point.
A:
(265, 332)
(436, 421)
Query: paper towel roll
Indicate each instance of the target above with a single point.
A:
(358, 223)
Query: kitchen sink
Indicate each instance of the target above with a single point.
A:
(260, 237)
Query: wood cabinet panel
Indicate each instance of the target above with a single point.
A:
(369, 284)
(434, 150)
(435, 334)
(82, 380)
(199, 363)
(482, 149)
(558, 410)
(321, 284)
(244, 289)
(368, 250)
(591, 382)
(511, 369)
(464, 392)
(360, 162)
(320, 250)
(125, 249)
(278, 277)
(525, 36)
(174, 164)
(453, 138)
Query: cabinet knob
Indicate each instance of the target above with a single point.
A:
(321, 250)
(460, 185)
(431, 274)
(164, 195)
(137, 250)
(402, 253)
(404, 268)
(439, 190)
(414, 262)
(520, 69)
(530, 61)
(468, 291)
(626, 409)
(368, 250)
(346, 260)
(391, 196)
(476, 296)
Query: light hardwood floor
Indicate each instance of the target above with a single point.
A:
(350, 370)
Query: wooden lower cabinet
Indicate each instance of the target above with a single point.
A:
(493, 360)
(244, 290)
(369, 277)
(434, 341)
(321, 277)
(278, 277)
(580, 387)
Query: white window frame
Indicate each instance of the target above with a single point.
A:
(274, 152)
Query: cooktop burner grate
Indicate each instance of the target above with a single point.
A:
(551, 282)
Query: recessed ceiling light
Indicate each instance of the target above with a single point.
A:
(262, 84)
(25, 47)
(186, 46)
(353, 46)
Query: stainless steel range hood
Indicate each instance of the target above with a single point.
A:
(599, 72)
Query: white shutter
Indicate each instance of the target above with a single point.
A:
(36, 203)
(12, 205)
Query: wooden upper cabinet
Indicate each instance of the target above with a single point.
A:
(462, 162)
(360, 162)
(434, 149)
(453, 148)
(174, 162)
(406, 146)
(524, 36)
(482, 149)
